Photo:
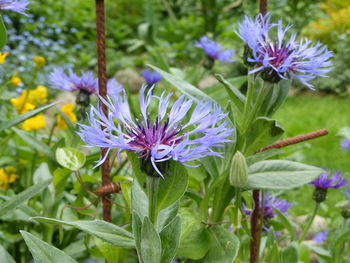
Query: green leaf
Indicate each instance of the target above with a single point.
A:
(275, 98)
(60, 177)
(260, 156)
(109, 252)
(43, 252)
(167, 215)
(224, 246)
(173, 186)
(170, 239)
(235, 95)
(22, 197)
(108, 232)
(136, 167)
(280, 174)
(22, 117)
(70, 158)
(3, 34)
(287, 223)
(181, 85)
(151, 248)
(34, 143)
(263, 132)
(290, 254)
(136, 230)
(5, 256)
(195, 245)
(139, 200)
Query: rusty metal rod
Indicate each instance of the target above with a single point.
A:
(263, 7)
(102, 89)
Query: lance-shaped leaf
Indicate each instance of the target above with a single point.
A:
(43, 252)
(108, 232)
(3, 34)
(22, 197)
(280, 174)
(5, 256)
(151, 248)
(22, 117)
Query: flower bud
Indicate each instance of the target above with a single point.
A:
(238, 170)
(320, 194)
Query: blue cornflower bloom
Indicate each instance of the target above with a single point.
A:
(345, 144)
(19, 6)
(325, 180)
(214, 50)
(65, 79)
(283, 58)
(151, 77)
(270, 204)
(320, 237)
(166, 137)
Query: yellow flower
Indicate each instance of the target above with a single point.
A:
(68, 111)
(39, 61)
(38, 95)
(7, 176)
(22, 103)
(16, 81)
(3, 57)
(34, 123)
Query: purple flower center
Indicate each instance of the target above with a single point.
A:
(148, 135)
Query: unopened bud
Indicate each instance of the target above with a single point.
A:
(238, 170)
(320, 195)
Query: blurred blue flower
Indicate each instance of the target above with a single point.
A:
(320, 237)
(270, 204)
(19, 6)
(214, 50)
(325, 180)
(151, 77)
(65, 79)
(166, 137)
(345, 144)
(283, 58)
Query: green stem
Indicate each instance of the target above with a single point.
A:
(238, 205)
(309, 223)
(153, 186)
(51, 132)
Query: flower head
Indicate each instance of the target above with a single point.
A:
(271, 203)
(345, 144)
(166, 137)
(7, 176)
(39, 61)
(281, 58)
(68, 111)
(326, 181)
(151, 77)
(65, 79)
(320, 237)
(3, 57)
(214, 50)
(19, 6)
(35, 123)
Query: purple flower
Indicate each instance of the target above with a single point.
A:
(320, 237)
(151, 77)
(283, 58)
(166, 137)
(345, 144)
(19, 6)
(270, 204)
(214, 50)
(325, 181)
(65, 79)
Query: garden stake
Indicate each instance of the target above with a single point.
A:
(102, 83)
(255, 220)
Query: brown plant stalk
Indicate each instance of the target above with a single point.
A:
(102, 88)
